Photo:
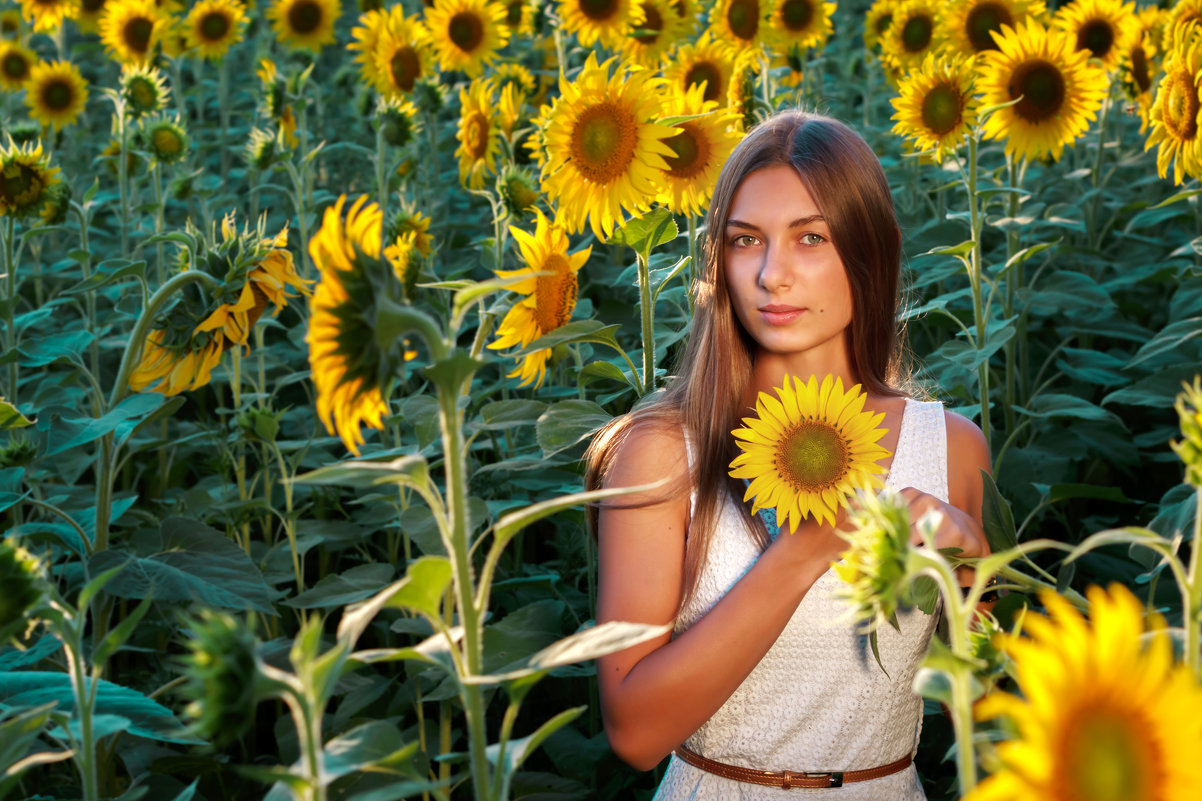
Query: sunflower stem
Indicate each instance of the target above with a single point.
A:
(1012, 243)
(157, 170)
(223, 116)
(1095, 204)
(1193, 612)
(10, 301)
(974, 277)
(647, 313)
(381, 181)
(123, 175)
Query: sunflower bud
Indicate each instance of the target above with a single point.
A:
(220, 671)
(164, 139)
(1189, 449)
(24, 587)
(261, 424)
(429, 98)
(985, 636)
(874, 568)
(261, 150)
(143, 90)
(519, 190)
(396, 122)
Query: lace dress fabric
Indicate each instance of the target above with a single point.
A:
(818, 701)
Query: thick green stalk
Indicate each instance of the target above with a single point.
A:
(974, 277)
(647, 312)
(89, 301)
(157, 170)
(1012, 243)
(123, 177)
(1193, 611)
(223, 116)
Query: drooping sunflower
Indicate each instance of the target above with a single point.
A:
(550, 299)
(1103, 28)
(604, 150)
(467, 33)
(56, 93)
(913, 32)
(936, 108)
(740, 25)
(800, 25)
(143, 89)
(304, 24)
(969, 24)
(1060, 90)
(700, 149)
(16, 65)
(26, 179)
(1105, 713)
(130, 29)
(401, 56)
(47, 15)
(478, 136)
(656, 27)
(605, 21)
(174, 368)
(90, 12)
(705, 62)
(808, 450)
(214, 26)
(1176, 115)
(349, 368)
(877, 21)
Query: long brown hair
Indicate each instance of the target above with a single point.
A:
(705, 399)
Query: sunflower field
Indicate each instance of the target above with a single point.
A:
(310, 309)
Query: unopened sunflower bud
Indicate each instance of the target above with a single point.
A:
(519, 191)
(984, 640)
(18, 452)
(1189, 449)
(259, 423)
(220, 674)
(874, 568)
(23, 585)
(395, 119)
(261, 151)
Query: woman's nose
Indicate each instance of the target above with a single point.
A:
(775, 271)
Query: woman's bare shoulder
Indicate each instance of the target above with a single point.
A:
(650, 450)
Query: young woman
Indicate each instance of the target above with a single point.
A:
(766, 684)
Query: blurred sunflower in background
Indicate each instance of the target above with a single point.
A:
(1180, 14)
(969, 24)
(401, 55)
(549, 299)
(47, 15)
(1104, 28)
(1142, 64)
(936, 108)
(26, 179)
(700, 148)
(143, 89)
(364, 38)
(1105, 713)
(656, 27)
(518, 188)
(800, 25)
(304, 24)
(913, 32)
(1060, 90)
(519, 17)
(10, 23)
(16, 65)
(604, 151)
(164, 138)
(604, 21)
(90, 12)
(467, 33)
(411, 222)
(740, 25)
(56, 93)
(213, 26)
(129, 30)
(703, 63)
(478, 135)
(877, 20)
(1177, 110)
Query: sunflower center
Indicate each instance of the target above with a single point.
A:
(603, 141)
(1181, 106)
(58, 96)
(692, 148)
(513, 12)
(405, 68)
(305, 17)
(1097, 36)
(941, 110)
(136, 34)
(466, 31)
(1108, 755)
(743, 17)
(15, 66)
(1139, 69)
(214, 26)
(142, 94)
(599, 10)
(983, 19)
(475, 140)
(652, 21)
(1041, 85)
(812, 456)
(708, 73)
(167, 142)
(92, 6)
(796, 14)
(554, 295)
(916, 34)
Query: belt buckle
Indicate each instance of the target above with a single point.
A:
(834, 777)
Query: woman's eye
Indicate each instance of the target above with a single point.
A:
(743, 241)
(812, 239)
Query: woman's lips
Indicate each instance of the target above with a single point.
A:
(775, 314)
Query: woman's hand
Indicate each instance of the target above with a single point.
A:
(956, 528)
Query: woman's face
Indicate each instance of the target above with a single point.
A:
(785, 278)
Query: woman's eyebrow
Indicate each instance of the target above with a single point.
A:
(800, 222)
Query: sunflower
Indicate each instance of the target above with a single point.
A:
(400, 256)
(604, 152)
(1060, 90)
(656, 27)
(164, 139)
(705, 62)
(1103, 28)
(1182, 13)
(605, 21)
(739, 24)
(349, 368)
(936, 108)
(143, 89)
(55, 93)
(10, 23)
(410, 222)
(800, 25)
(969, 24)
(47, 16)
(806, 453)
(518, 190)
(213, 26)
(1106, 714)
(172, 369)
(873, 568)
(913, 32)
(401, 56)
(26, 179)
(304, 24)
(519, 17)
(129, 29)
(90, 12)
(1177, 110)
(700, 149)
(511, 72)
(467, 33)
(16, 64)
(366, 36)
(550, 299)
(741, 95)
(1142, 64)
(398, 121)
(509, 109)
(877, 21)
(478, 136)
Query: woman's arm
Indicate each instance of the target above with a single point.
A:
(655, 695)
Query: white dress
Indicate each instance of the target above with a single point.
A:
(818, 701)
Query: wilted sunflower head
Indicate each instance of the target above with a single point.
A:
(26, 179)
(21, 576)
(143, 89)
(1189, 414)
(16, 65)
(874, 567)
(219, 671)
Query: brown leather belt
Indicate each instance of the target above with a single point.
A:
(787, 779)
